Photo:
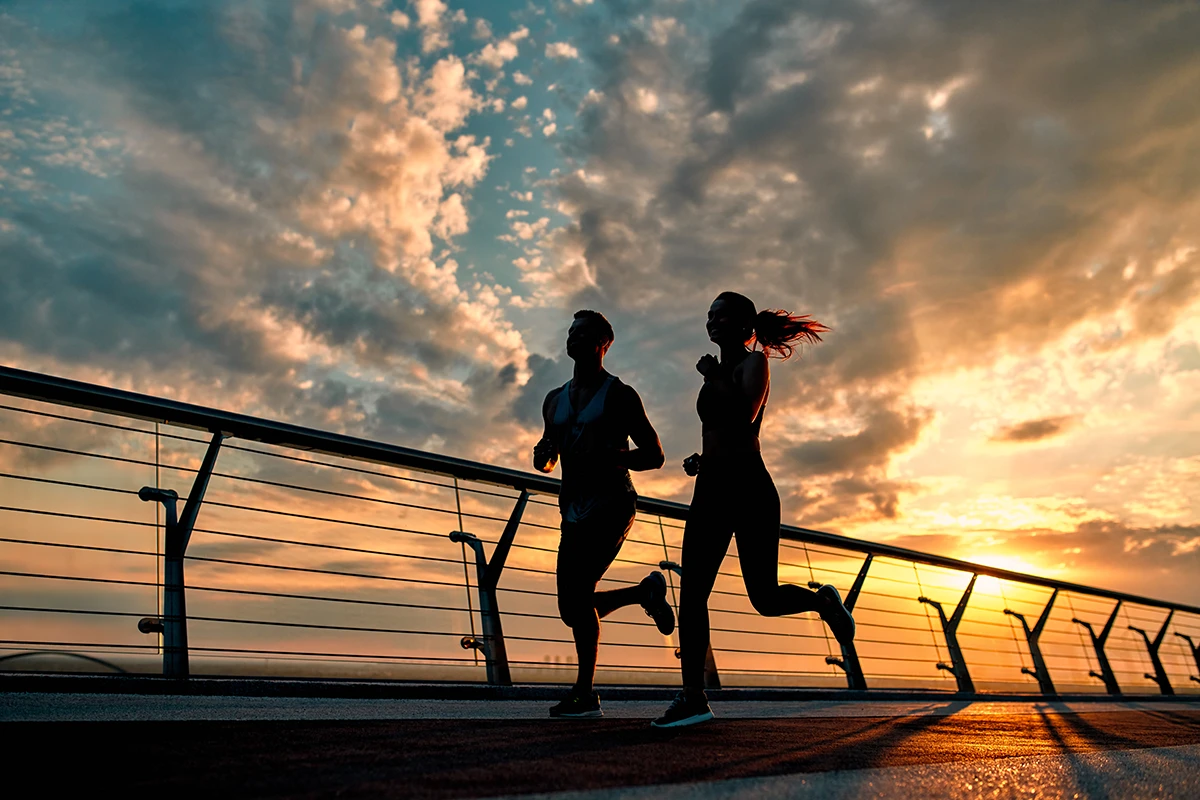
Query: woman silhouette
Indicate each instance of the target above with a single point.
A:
(734, 492)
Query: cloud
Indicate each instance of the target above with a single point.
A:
(496, 54)
(1035, 430)
(261, 238)
(528, 230)
(434, 24)
(890, 174)
(991, 207)
(1152, 561)
(560, 51)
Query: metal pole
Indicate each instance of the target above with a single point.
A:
(957, 666)
(1160, 674)
(488, 576)
(1195, 652)
(1106, 672)
(173, 623)
(1039, 671)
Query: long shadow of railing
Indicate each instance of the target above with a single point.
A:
(511, 583)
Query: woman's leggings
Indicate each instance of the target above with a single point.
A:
(734, 495)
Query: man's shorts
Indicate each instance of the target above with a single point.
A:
(587, 547)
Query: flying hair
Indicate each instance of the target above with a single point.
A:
(777, 332)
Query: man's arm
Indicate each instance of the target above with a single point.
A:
(647, 452)
(545, 452)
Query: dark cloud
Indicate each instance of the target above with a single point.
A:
(940, 182)
(1157, 562)
(263, 233)
(547, 374)
(886, 431)
(1035, 430)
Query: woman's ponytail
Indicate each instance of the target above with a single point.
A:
(779, 331)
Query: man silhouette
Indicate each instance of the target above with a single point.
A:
(588, 423)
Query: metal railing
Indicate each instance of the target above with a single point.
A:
(302, 552)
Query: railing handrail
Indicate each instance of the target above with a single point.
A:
(92, 397)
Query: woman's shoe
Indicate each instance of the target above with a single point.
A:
(688, 708)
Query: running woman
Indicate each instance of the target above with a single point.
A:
(589, 422)
(734, 493)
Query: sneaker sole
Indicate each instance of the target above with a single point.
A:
(680, 723)
(668, 630)
(660, 585)
(583, 715)
(850, 623)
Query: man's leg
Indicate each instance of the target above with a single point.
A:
(650, 593)
(577, 576)
(586, 551)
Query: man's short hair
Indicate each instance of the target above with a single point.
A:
(595, 316)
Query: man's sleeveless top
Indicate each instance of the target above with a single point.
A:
(585, 437)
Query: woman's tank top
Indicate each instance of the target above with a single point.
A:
(729, 415)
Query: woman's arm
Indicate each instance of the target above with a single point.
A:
(755, 381)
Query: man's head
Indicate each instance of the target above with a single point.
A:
(589, 336)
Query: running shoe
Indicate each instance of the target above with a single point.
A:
(578, 706)
(836, 615)
(657, 607)
(686, 709)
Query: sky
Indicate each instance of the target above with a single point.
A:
(378, 216)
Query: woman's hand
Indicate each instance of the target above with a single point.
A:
(691, 464)
(707, 365)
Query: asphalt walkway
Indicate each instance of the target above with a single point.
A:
(321, 747)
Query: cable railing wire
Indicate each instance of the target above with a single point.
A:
(824, 555)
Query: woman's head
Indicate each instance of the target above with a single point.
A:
(732, 319)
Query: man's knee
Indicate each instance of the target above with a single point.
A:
(576, 608)
(766, 602)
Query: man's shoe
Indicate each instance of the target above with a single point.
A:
(657, 607)
(578, 706)
(686, 709)
(836, 615)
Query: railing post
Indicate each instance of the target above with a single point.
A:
(712, 678)
(1160, 674)
(173, 623)
(1106, 673)
(1195, 653)
(849, 660)
(957, 666)
(1039, 671)
(488, 576)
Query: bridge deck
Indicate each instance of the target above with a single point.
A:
(311, 747)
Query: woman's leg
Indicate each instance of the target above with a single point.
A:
(706, 538)
(758, 552)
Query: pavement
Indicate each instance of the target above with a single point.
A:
(322, 747)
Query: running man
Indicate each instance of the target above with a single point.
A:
(589, 422)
